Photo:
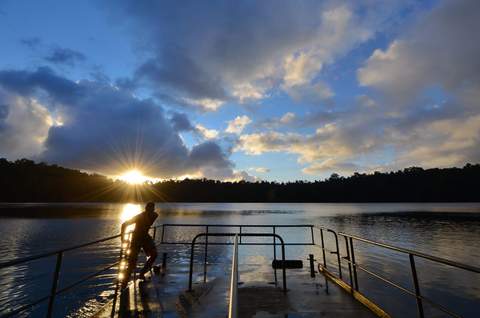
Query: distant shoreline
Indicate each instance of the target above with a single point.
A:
(26, 181)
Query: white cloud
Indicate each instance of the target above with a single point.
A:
(311, 93)
(237, 125)
(206, 104)
(439, 50)
(287, 118)
(206, 133)
(259, 169)
(24, 126)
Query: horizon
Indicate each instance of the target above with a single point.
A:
(230, 91)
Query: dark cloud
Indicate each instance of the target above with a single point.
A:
(65, 56)
(182, 74)
(204, 53)
(32, 43)
(101, 128)
(181, 122)
(44, 78)
(3, 111)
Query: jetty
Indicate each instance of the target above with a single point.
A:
(246, 270)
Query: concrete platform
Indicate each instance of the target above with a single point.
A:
(166, 296)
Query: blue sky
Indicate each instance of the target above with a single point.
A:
(271, 90)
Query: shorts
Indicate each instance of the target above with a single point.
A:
(146, 243)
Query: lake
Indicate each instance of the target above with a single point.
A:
(450, 231)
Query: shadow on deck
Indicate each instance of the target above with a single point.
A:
(166, 296)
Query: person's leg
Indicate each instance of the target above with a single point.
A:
(151, 252)
(131, 264)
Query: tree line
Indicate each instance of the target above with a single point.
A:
(26, 181)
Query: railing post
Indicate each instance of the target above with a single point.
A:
(324, 258)
(154, 233)
(354, 265)
(284, 273)
(338, 252)
(275, 255)
(323, 249)
(349, 263)
(417, 286)
(311, 233)
(232, 305)
(53, 291)
(163, 233)
(190, 275)
(205, 260)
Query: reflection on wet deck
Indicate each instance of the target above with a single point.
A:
(166, 296)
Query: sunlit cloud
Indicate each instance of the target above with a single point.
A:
(237, 125)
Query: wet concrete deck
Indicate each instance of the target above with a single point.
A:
(166, 296)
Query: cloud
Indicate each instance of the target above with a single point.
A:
(205, 132)
(291, 120)
(181, 122)
(199, 53)
(287, 118)
(312, 93)
(237, 125)
(437, 50)
(24, 126)
(331, 164)
(328, 141)
(65, 56)
(32, 42)
(259, 169)
(102, 128)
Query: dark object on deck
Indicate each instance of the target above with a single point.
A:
(164, 261)
(312, 267)
(288, 264)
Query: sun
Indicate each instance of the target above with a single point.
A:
(133, 177)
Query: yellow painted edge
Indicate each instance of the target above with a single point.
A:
(357, 295)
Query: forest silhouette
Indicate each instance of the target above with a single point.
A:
(26, 181)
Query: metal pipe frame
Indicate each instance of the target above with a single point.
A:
(192, 252)
(411, 254)
(233, 294)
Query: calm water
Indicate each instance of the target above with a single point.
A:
(450, 231)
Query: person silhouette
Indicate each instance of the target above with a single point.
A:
(140, 240)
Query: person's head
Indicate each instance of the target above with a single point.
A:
(150, 207)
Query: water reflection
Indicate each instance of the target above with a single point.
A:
(129, 210)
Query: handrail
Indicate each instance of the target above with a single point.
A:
(412, 252)
(353, 265)
(18, 261)
(276, 236)
(54, 287)
(233, 295)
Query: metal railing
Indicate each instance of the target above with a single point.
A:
(54, 290)
(233, 293)
(275, 236)
(239, 228)
(354, 265)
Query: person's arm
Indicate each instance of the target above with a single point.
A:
(127, 223)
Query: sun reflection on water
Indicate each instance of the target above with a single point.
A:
(129, 210)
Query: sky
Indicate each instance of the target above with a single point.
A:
(254, 90)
